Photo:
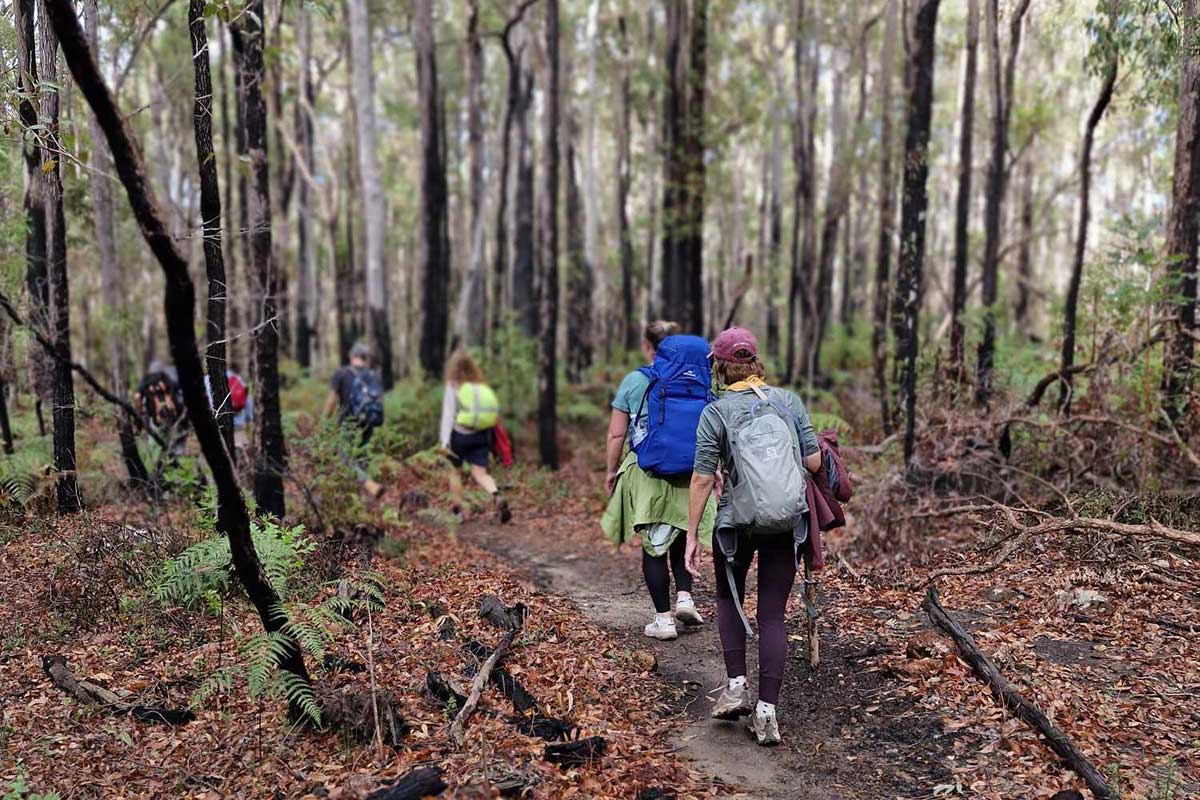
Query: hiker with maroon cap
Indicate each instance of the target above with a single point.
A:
(762, 439)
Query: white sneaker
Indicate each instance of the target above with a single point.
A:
(733, 703)
(685, 612)
(663, 631)
(765, 728)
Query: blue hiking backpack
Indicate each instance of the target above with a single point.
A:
(366, 398)
(680, 388)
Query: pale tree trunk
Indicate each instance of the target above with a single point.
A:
(306, 268)
(962, 207)
(692, 267)
(883, 258)
(856, 226)
(1071, 306)
(371, 181)
(913, 207)
(673, 280)
(837, 199)
(56, 274)
(1182, 224)
(111, 285)
(548, 235)
(435, 247)
(1003, 78)
(470, 314)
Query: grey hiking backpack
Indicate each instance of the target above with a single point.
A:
(765, 449)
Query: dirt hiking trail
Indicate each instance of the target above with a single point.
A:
(843, 738)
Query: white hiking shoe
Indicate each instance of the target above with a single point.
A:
(765, 728)
(733, 703)
(663, 631)
(685, 612)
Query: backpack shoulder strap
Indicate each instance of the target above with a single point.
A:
(652, 375)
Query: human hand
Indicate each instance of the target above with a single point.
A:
(610, 482)
(692, 556)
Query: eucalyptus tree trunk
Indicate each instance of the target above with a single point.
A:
(1182, 232)
(1003, 78)
(691, 269)
(837, 200)
(111, 285)
(210, 213)
(673, 280)
(883, 258)
(270, 456)
(856, 226)
(962, 206)
(1071, 306)
(306, 268)
(470, 315)
(34, 198)
(624, 164)
(548, 287)
(580, 275)
(524, 269)
(435, 246)
(371, 180)
(914, 204)
(1024, 287)
(67, 489)
(772, 256)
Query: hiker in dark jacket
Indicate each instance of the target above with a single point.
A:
(762, 439)
(356, 393)
(651, 507)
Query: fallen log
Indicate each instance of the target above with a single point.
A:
(576, 754)
(549, 729)
(481, 678)
(444, 691)
(93, 694)
(421, 782)
(1011, 699)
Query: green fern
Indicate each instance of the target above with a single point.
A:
(822, 420)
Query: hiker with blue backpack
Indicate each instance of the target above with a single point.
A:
(356, 393)
(655, 411)
(470, 414)
(762, 439)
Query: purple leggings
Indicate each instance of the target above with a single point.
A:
(776, 574)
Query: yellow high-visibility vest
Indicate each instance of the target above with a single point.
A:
(478, 407)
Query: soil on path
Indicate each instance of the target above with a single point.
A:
(845, 736)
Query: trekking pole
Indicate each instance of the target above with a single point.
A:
(810, 611)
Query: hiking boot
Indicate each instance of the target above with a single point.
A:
(504, 511)
(663, 631)
(685, 612)
(733, 703)
(765, 728)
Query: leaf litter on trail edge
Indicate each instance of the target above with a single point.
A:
(243, 747)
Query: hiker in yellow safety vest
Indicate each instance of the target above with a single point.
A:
(470, 411)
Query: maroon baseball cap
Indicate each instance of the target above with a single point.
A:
(727, 346)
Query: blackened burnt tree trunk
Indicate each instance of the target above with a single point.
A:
(524, 257)
(673, 281)
(111, 285)
(883, 257)
(67, 489)
(1022, 307)
(692, 267)
(1071, 307)
(962, 205)
(271, 457)
(914, 203)
(210, 215)
(548, 234)
(1182, 233)
(1002, 79)
(802, 199)
(580, 277)
(34, 197)
(179, 303)
(371, 181)
(435, 245)
(624, 164)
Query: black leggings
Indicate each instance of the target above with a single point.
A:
(776, 574)
(658, 580)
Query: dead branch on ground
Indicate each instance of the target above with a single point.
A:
(93, 694)
(457, 727)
